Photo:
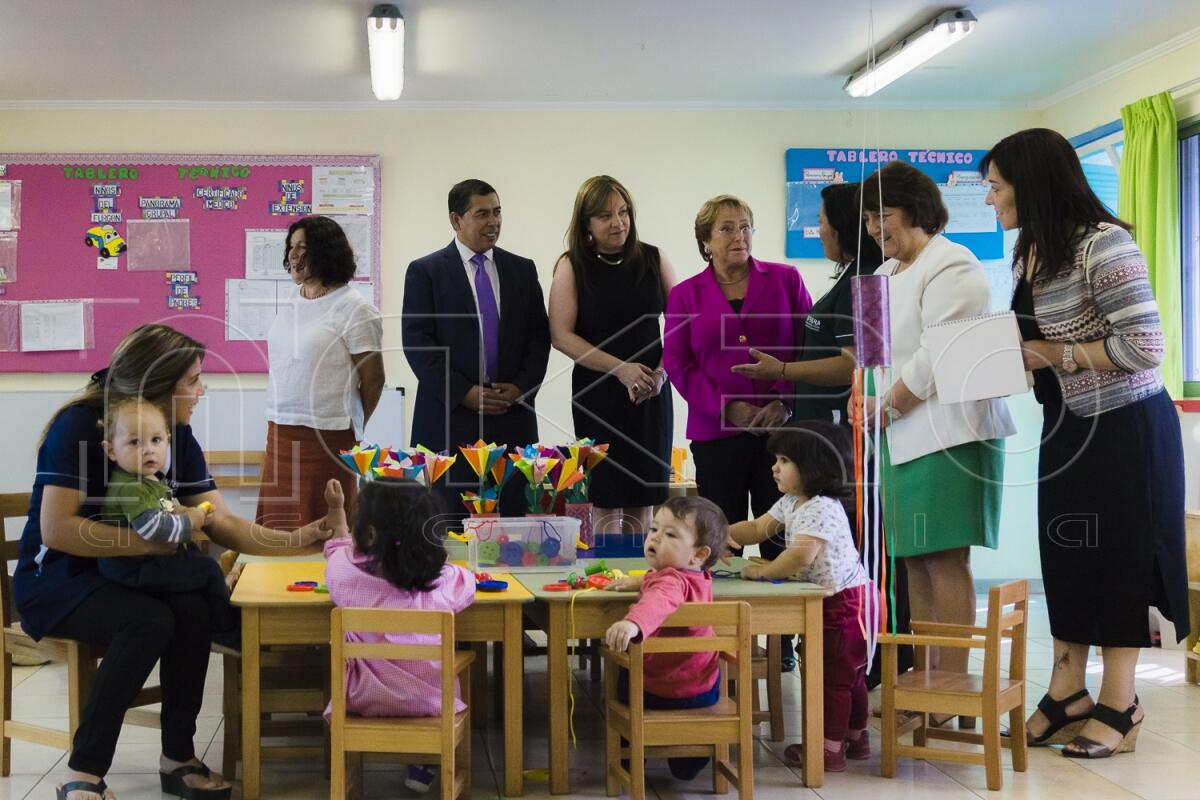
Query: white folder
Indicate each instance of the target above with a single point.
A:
(977, 358)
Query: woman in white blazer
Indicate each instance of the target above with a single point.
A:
(942, 464)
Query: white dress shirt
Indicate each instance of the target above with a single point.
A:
(489, 266)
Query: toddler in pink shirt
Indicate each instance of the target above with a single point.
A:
(393, 558)
(687, 536)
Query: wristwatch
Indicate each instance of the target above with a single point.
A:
(892, 413)
(1069, 364)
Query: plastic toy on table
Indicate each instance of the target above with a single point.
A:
(308, 586)
(516, 543)
(485, 583)
(596, 576)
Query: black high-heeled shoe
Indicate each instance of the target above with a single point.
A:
(1063, 728)
(1121, 722)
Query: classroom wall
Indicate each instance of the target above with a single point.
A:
(1101, 103)
(670, 161)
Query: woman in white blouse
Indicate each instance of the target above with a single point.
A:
(326, 374)
(943, 464)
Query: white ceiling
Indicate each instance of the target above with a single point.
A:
(656, 53)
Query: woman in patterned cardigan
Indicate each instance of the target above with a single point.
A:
(1110, 467)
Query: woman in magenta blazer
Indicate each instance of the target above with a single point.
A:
(713, 319)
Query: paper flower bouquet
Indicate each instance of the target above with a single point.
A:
(488, 461)
(419, 464)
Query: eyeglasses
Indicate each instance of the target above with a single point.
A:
(741, 230)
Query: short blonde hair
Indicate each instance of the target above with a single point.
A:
(116, 408)
(706, 217)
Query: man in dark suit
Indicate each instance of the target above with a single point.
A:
(476, 335)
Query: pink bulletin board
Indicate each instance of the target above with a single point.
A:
(205, 204)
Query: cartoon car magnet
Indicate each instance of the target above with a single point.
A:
(106, 240)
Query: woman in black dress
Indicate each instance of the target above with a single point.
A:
(1110, 467)
(607, 296)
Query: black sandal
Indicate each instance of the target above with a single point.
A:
(1121, 722)
(173, 783)
(63, 789)
(1062, 727)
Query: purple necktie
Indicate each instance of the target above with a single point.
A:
(489, 318)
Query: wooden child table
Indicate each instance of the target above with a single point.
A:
(775, 608)
(271, 615)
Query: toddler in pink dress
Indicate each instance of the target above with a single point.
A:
(393, 558)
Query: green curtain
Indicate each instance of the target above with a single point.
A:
(1148, 199)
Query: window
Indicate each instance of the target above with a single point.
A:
(1101, 166)
(1189, 247)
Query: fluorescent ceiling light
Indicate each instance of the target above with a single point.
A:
(911, 52)
(385, 41)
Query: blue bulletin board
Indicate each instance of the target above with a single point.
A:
(956, 172)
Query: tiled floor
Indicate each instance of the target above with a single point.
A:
(1163, 768)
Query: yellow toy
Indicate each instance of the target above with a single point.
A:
(106, 240)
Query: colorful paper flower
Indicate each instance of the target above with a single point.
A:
(533, 465)
(482, 455)
(435, 464)
(362, 458)
(587, 454)
(481, 503)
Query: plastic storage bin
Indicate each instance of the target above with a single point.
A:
(510, 544)
(463, 553)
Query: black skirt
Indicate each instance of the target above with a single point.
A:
(637, 471)
(1111, 521)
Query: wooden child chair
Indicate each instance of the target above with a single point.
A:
(80, 660)
(766, 665)
(927, 691)
(690, 732)
(448, 737)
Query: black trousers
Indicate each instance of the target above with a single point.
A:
(186, 570)
(735, 473)
(139, 628)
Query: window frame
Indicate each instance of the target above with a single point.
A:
(1189, 266)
